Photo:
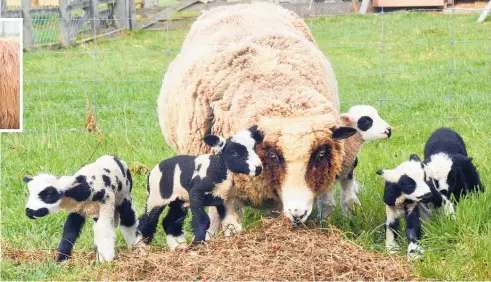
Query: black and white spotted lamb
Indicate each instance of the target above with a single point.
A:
(449, 169)
(100, 190)
(415, 188)
(198, 182)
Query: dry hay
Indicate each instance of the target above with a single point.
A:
(276, 251)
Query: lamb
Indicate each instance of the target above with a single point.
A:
(100, 190)
(405, 190)
(9, 85)
(197, 182)
(258, 64)
(449, 168)
(369, 127)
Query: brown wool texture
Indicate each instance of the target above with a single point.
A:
(9, 85)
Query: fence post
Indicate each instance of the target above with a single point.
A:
(65, 23)
(94, 15)
(121, 15)
(28, 29)
(132, 14)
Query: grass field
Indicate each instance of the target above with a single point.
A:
(408, 80)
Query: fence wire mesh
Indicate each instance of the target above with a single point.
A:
(421, 62)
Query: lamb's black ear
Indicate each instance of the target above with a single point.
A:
(469, 159)
(414, 157)
(380, 172)
(211, 140)
(256, 134)
(342, 132)
(26, 179)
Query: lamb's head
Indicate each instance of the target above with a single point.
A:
(302, 156)
(239, 151)
(45, 193)
(407, 182)
(369, 124)
(442, 169)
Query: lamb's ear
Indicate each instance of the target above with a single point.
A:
(414, 157)
(469, 159)
(389, 175)
(215, 142)
(347, 119)
(342, 132)
(256, 134)
(27, 179)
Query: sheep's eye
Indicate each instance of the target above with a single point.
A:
(322, 153)
(235, 154)
(272, 155)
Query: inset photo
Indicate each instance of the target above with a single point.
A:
(11, 106)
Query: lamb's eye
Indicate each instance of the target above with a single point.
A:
(272, 155)
(321, 153)
(235, 154)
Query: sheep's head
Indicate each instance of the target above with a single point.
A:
(239, 151)
(45, 194)
(367, 121)
(442, 169)
(407, 182)
(301, 156)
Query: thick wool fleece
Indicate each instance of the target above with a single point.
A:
(252, 64)
(9, 85)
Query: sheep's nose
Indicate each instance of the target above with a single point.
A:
(30, 213)
(389, 132)
(297, 214)
(259, 169)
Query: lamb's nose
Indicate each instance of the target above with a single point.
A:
(389, 132)
(30, 213)
(259, 169)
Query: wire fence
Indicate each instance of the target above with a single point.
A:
(119, 79)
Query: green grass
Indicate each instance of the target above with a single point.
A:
(416, 95)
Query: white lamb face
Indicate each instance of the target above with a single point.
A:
(43, 198)
(239, 151)
(368, 123)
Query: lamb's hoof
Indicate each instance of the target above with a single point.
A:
(414, 252)
(140, 243)
(62, 257)
(393, 249)
(232, 229)
(104, 259)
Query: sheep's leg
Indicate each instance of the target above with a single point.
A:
(392, 223)
(129, 223)
(413, 232)
(229, 218)
(326, 205)
(215, 223)
(71, 231)
(200, 220)
(104, 232)
(173, 223)
(348, 198)
(448, 206)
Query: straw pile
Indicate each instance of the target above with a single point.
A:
(276, 251)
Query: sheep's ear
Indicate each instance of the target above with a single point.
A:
(342, 132)
(256, 134)
(414, 157)
(389, 175)
(27, 179)
(469, 159)
(215, 142)
(347, 119)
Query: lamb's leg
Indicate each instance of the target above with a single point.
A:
(129, 223)
(104, 232)
(147, 223)
(71, 231)
(229, 218)
(200, 220)
(173, 223)
(413, 232)
(392, 223)
(326, 204)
